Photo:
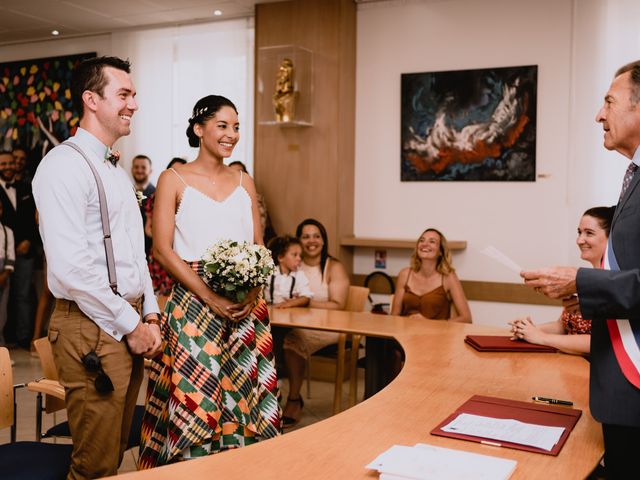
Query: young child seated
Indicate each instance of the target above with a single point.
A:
(287, 287)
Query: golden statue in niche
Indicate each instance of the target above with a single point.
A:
(284, 100)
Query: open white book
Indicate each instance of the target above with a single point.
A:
(424, 461)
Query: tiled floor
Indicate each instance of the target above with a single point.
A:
(27, 368)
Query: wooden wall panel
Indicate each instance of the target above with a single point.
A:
(309, 171)
(346, 124)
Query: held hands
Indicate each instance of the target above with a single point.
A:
(287, 303)
(225, 308)
(220, 306)
(247, 304)
(157, 335)
(555, 282)
(144, 340)
(524, 329)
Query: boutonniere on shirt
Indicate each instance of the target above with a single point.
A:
(112, 156)
(140, 197)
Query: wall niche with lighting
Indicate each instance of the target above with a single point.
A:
(285, 86)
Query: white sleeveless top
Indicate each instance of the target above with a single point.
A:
(202, 221)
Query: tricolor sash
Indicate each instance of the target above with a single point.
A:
(623, 338)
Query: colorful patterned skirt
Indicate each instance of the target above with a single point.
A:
(214, 386)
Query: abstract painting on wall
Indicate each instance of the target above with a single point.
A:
(35, 102)
(469, 125)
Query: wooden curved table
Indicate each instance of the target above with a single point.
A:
(441, 372)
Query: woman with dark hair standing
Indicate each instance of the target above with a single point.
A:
(214, 386)
(329, 283)
(430, 285)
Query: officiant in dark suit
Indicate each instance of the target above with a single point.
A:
(20, 215)
(611, 296)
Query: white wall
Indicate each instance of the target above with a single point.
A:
(56, 47)
(172, 67)
(176, 66)
(606, 36)
(577, 45)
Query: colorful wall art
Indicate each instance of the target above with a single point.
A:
(35, 102)
(469, 125)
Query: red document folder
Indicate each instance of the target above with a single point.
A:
(501, 343)
(534, 413)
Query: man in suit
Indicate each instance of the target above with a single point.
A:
(20, 216)
(140, 171)
(614, 292)
(7, 262)
(22, 160)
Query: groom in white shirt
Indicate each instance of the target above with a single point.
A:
(98, 336)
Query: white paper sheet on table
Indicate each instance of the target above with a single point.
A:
(424, 461)
(506, 430)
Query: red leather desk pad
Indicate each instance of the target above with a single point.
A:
(501, 343)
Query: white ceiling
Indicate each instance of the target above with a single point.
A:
(30, 20)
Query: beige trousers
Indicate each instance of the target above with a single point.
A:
(99, 423)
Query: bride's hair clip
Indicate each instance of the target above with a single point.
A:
(198, 112)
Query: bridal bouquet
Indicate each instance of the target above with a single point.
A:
(233, 268)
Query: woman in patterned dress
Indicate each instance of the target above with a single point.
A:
(571, 333)
(214, 387)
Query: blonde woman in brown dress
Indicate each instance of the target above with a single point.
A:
(430, 286)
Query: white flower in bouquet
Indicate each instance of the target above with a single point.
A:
(233, 268)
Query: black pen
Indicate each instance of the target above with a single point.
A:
(552, 401)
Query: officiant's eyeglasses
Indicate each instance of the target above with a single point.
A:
(92, 364)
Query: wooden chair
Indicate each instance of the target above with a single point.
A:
(53, 402)
(356, 301)
(55, 399)
(26, 460)
(380, 282)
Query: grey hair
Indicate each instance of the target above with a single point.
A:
(634, 68)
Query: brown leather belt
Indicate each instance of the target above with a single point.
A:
(71, 306)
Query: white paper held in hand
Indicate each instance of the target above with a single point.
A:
(495, 254)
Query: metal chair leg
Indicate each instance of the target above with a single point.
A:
(15, 416)
(337, 395)
(39, 417)
(353, 370)
(14, 427)
(308, 372)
